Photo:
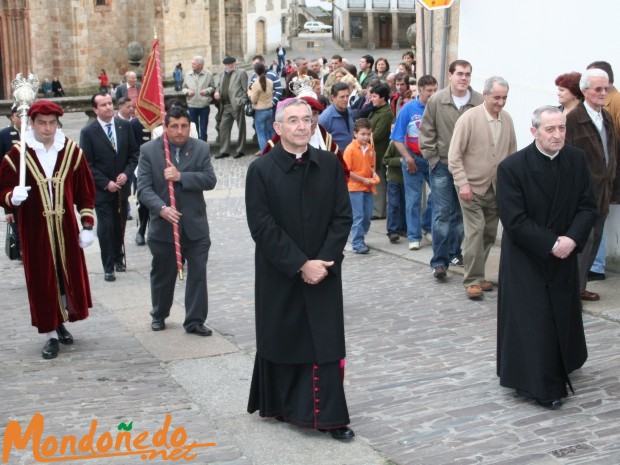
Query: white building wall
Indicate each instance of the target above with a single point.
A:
(530, 43)
(273, 28)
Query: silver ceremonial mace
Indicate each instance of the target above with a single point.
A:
(24, 93)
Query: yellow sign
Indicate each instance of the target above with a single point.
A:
(436, 4)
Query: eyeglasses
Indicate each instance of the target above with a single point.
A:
(599, 90)
(461, 74)
(296, 121)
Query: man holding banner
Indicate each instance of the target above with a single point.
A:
(191, 172)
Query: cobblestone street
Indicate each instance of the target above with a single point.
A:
(420, 370)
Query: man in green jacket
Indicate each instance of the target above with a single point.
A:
(381, 119)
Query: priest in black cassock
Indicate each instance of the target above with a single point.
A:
(299, 215)
(547, 209)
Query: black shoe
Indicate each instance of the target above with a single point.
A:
(50, 349)
(109, 276)
(140, 239)
(129, 217)
(221, 155)
(393, 237)
(158, 325)
(200, 330)
(64, 336)
(120, 267)
(439, 271)
(594, 276)
(343, 433)
(555, 404)
(238, 155)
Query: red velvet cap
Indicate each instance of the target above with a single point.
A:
(314, 104)
(45, 107)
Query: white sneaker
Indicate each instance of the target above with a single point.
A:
(414, 246)
(428, 236)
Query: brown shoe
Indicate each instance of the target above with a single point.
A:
(591, 296)
(473, 292)
(486, 286)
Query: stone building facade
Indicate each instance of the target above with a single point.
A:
(373, 23)
(75, 39)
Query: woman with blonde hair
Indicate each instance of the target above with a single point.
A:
(342, 75)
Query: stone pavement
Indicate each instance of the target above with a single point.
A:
(420, 373)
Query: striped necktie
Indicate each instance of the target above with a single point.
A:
(177, 151)
(111, 135)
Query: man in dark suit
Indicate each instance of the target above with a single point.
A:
(546, 205)
(590, 127)
(191, 172)
(112, 153)
(231, 94)
(9, 136)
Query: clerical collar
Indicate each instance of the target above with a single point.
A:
(550, 157)
(298, 157)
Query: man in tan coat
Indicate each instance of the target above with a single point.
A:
(482, 138)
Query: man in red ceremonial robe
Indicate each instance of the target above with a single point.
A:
(57, 178)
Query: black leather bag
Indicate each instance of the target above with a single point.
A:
(249, 109)
(10, 245)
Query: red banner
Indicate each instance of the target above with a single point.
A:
(148, 108)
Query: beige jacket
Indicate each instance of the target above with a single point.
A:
(440, 115)
(472, 157)
(262, 99)
(197, 82)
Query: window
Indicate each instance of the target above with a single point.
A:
(356, 27)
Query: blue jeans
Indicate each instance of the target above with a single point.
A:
(396, 222)
(361, 204)
(427, 216)
(447, 217)
(414, 185)
(200, 117)
(601, 257)
(178, 85)
(263, 122)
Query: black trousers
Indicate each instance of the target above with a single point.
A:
(164, 276)
(111, 220)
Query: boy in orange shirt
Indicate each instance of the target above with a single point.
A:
(360, 157)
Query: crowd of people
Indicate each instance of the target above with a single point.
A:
(346, 145)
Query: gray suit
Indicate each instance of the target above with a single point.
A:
(233, 111)
(197, 176)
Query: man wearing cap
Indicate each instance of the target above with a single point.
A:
(112, 153)
(231, 94)
(9, 136)
(58, 179)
